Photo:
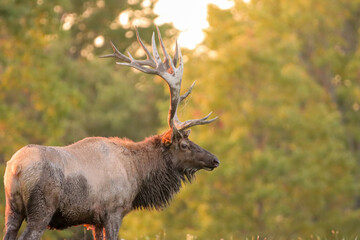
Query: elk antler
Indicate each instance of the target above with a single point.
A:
(168, 71)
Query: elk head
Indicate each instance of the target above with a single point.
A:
(187, 155)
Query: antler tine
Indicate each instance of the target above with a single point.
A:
(132, 62)
(166, 55)
(150, 59)
(190, 123)
(181, 63)
(155, 51)
(176, 55)
(137, 65)
(116, 54)
(182, 97)
(168, 71)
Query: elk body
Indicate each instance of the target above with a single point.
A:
(97, 181)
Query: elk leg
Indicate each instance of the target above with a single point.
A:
(13, 222)
(40, 208)
(34, 231)
(98, 232)
(37, 223)
(112, 227)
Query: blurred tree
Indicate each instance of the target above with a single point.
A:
(44, 48)
(34, 99)
(54, 91)
(284, 78)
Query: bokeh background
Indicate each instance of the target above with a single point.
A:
(283, 76)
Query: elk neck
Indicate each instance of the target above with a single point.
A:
(159, 180)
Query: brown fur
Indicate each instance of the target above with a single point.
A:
(96, 181)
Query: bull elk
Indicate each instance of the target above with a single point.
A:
(97, 181)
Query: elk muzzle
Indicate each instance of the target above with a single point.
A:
(211, 162)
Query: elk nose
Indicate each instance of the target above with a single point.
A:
(216, 162)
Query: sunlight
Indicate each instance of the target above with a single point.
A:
(188, 16)
(124, 18)
(69, 20)
(99, 41)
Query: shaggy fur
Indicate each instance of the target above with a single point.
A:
(159, 186)
(96, 181)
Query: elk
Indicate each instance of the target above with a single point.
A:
(97, 181)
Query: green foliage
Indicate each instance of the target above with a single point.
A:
(282, 75)
(54, 91)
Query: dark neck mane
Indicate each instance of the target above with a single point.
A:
(162, 182)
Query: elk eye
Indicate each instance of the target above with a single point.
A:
(183, 145)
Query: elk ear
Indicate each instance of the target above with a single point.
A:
(186, 133)
(177, 135)
(173, 135)
(167, 138)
